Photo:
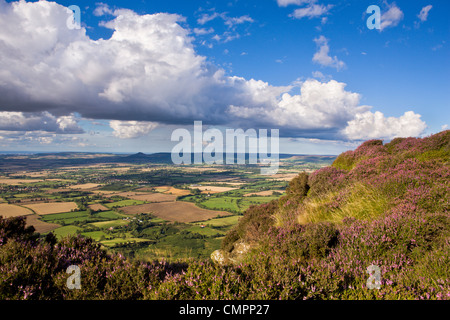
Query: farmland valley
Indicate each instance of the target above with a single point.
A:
(139, 205)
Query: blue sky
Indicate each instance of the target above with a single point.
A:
(310, 68)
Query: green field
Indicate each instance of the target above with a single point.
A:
(221, 222)
(96, 235)
(119, 241)
(222, 203)
(206, 231)
(65, 231)
(246, 202)
(110, 224)
(67, 217)
(234, 204)
(80, 216)
(123, 203)
(111, 215)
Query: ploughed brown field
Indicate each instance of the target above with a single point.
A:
(151, 197)
(40, 226)
(98, 207)
(9, 210)
(175, 211)
(154, 197)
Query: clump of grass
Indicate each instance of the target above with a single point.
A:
(358, 201)
(344, 161)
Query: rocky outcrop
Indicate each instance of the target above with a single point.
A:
(236, 255)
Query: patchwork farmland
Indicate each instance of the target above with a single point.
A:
(150, 211)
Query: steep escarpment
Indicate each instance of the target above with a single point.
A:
(385, 205)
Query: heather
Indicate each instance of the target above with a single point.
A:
(382, 204)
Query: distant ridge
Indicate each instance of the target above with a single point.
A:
(60, 159)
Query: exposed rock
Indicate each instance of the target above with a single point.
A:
(238, 253)
(218, 257)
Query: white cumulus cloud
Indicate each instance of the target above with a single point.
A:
(369, 125)
(285, 3)
(322, 56)
(203, 31)
(232, 21)
(319, 106)
(423, 15)
(131, 129)
(391, 17)
(147, 73)
(311, 11)
(102, 9)
(148, 70)
(42, 121)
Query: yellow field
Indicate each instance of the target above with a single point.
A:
(154, 197)
(263, 193)
(178, 192)
(283, 176)
(234, 183)
(109, 194)
(33, 174)
(50, 208)
(172, 190)
(10, 210)
(85, 186)
(213, 189)
(16, 182)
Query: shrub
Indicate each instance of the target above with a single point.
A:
(344, 161)
(256, 221)
(230, 238)
(15, 228)
(298, 186)
(326, 179)
(26, 271)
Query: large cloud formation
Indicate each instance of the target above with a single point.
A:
(148, 71)
(370, 125)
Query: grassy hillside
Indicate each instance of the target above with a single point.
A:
(385, 205)
(382, 205)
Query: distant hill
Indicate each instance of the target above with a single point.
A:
(60, 159)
